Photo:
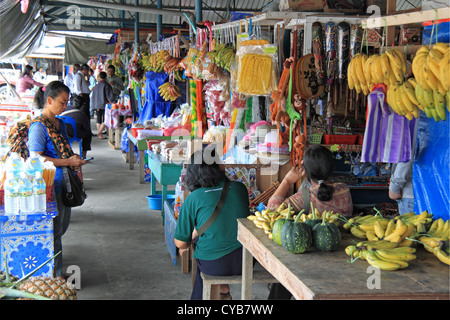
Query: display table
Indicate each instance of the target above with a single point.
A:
(327, 275)
(165, 172)
(141, 145)
(27, 242)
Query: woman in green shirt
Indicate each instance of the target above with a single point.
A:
(217, 251)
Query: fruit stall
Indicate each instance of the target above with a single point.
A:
(264, 88)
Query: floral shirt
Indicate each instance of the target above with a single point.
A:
(341, 202)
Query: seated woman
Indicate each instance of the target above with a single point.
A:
(45, 132)
(83, 125)
(317, 167)
(26, 81)
(217, 251)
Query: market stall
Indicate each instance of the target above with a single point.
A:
(265, 88)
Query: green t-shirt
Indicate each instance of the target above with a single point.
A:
(221, 237)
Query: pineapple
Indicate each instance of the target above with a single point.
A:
(53, 288)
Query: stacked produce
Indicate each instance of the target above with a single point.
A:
(301, 230)
(376, 227)
(436, 240)
(222, 55)
(431, 68)
(169, 91)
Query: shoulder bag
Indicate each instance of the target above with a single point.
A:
(216, 211)
(73, 194)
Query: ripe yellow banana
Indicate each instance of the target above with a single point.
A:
(396, 59)
(373, 260)
(385, 68)
(441, 47)
(439, 104)
(379, 230)
(407, 104)
(390, 228)
(400, 229)
(357, 232)
(410, 92)
(396, 255)
(442, 256)
(368, 69)
(359, 63)
(350, 80)
(380, 244)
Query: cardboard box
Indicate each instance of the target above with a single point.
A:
(301, 5)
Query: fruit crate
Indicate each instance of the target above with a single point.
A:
(339, 139)
(316, 138)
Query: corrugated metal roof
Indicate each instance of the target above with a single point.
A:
(213, 10)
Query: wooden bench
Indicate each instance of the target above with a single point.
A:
(211, 284)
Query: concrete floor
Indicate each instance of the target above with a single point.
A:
(118, 242)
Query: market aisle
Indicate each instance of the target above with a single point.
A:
(117, 242)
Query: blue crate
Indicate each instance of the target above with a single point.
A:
(169, 231)
(27, 242)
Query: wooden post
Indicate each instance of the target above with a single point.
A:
(390, 32)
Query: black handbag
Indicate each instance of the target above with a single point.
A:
(73, 194)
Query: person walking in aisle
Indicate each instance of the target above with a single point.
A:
(92, 83)
(101, 95)
(81, 87)
(45, 132)
(68, 80)
(115, 81)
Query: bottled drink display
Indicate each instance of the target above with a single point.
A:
(26, 202)
(33, 165)
(11, 199)
(39, 194)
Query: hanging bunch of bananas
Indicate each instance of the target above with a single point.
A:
(266, 218)
(355, 74)
(169, 91)
(156, 61)
(382, 254)
(222, 55)
(403, 99)
(436, 239)
(431, 69)
(178, 75)
(172, 64)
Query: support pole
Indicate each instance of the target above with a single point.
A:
(198, 11)
(136, 25)
(158, 21)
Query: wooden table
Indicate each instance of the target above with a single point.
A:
(327, 275)
(141, 145)
(165, 172)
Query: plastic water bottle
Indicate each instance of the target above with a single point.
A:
(39, 193)
(33, 165)
(25, 194)
(11, 196)
(15, 164)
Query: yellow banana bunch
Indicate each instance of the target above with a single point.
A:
(436, 239)
(431, 68)
(330, 216)
(383, 257)
(169, 91)
(355, 74)
(266, 219)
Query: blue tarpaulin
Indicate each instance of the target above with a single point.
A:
(431, 168)
(154, 104)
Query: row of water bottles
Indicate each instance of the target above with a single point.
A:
(24, 187)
